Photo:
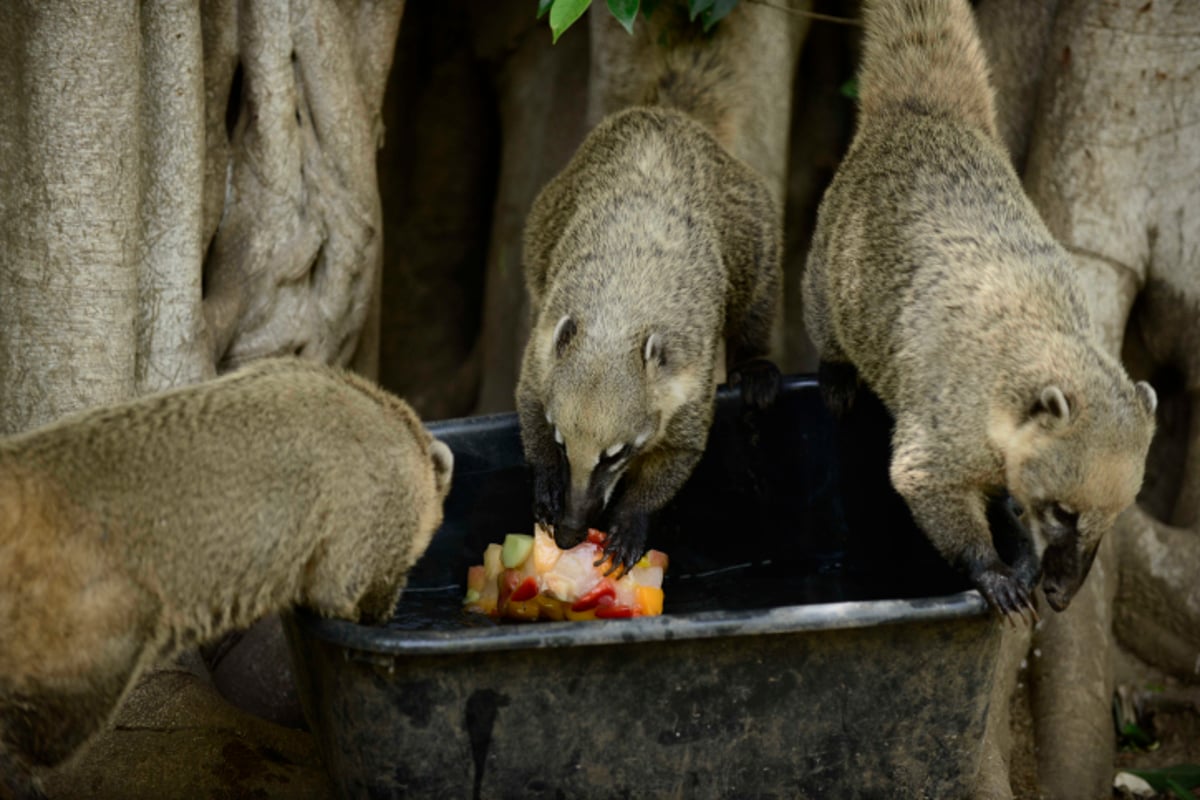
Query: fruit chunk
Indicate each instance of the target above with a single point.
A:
(649, 600)
(517, 547)
(545, 551)
(530, 578)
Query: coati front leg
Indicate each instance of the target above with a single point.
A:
(953, 516)
(545, 458)
(759, 379)
(839, 384)
(746, 364)
(1013, 540)
(644, 489)
(651, 481)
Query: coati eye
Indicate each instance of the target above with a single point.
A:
(614, 454)
(1065, 516)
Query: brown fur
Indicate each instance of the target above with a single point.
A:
(130, 532)
(933, 279)
(662, 251)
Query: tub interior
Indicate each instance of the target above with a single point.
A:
(787, 507)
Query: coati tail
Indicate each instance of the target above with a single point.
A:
(925, 55)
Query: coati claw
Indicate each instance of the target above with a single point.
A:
(625, 544)
(1005, 594)
(760, 381)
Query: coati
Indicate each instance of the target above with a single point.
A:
(933, 280)
(130, 532)
(652, 263)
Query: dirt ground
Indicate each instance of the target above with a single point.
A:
(1176, 726)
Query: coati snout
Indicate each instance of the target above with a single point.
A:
(602, 431)
(1075, 466)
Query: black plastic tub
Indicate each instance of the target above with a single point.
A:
(812, 644)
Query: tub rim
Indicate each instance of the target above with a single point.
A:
(847, 615)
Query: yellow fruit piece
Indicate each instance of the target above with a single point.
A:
(576, 616)
(649, 600)
(551, 609)
(525, 610)
(484, 605)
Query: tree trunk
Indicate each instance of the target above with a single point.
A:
(172, 341)
(295, 259)
(1107, 169)
(540, 89)
(1016, 39)
(132, 136)
(70, 197)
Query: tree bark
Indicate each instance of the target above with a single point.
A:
(132, 135)
(1106, 159)
(540, 90)
(1016, 39)
(172, 341)
(69, 207)
(295, 259)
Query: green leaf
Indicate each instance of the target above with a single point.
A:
(625, 11)
(1135, 735)
(850, 88)
(718, 12)
(564, 13)
(1179, 791)
(648, 7)
(1185, 776)
(696, 7)
(543, 7)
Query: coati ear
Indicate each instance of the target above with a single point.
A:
(1147, 397)
(653, 351)
(443, 465)
(564, 332)
(1052, 407)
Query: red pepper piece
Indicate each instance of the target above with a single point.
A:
(526, 591)
(601, 591)
(614, 612)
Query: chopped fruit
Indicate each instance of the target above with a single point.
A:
(603, 589)
(614, 612)
(526, 591)
(530, 578)
(517, 547)
(545, 551)
(655, 558)
(491, 559)
(650, 600)
(528, 610)
(476, 576)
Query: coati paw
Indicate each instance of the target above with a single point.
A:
(838, 381)
(1006, 595)
(760, 381)
(626, 542)
(548, 491)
